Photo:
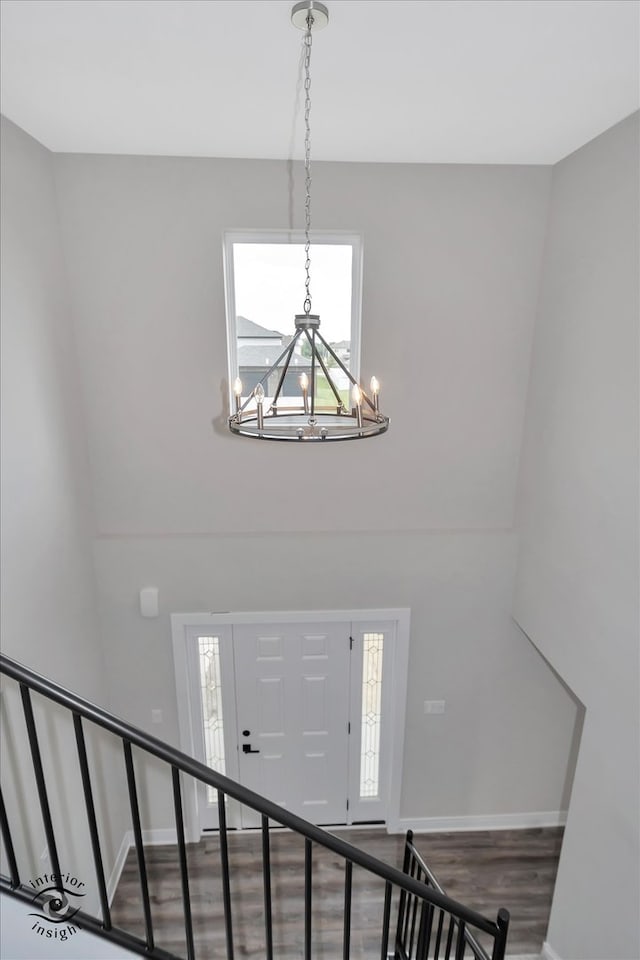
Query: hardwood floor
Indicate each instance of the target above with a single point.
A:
(486, 870)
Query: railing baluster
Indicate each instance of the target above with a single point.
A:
(184, 868)
(386, 916)
(266, 873)
(436, 949)
(39, 774)
(452, 925)
(137, 834)
(400, 933)
(307, 899)
(421, 946)
(429, 927)
(413, 911)
(8, 844)
(91, 818)
(346, 938)
(226, 885)
(461, 942)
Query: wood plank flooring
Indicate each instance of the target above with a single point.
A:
(486, 870)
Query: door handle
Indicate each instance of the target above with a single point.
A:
(246, 748)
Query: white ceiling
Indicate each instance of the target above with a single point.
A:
(451, 81)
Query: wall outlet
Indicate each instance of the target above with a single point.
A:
(156, 716)
(434, 706)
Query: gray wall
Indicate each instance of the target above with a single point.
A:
(452, 261)
(49, 610)
(577, 594)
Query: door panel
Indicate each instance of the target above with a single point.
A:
(292, 701)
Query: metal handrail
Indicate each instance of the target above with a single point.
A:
(180, 761)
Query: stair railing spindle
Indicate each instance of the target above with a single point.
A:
(400, 931)
(8, 844)
(307, 899)
(414, 911)
(436, 948)
(137, 835)
(184, 868)
(266, 874)
(91, 819)
(39, 775)
(226, 884)
(462, 940)
(452, 924)
(386, 918)
(346, 936)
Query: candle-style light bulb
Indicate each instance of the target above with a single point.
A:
(258, 393)
(356, 396)
(237, 392)
(304, 386)
(375, 390)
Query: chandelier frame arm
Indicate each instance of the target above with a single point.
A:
(348, 372)
(285, 368)
(336, 393)
(266, 376)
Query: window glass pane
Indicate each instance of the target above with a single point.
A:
(211, 694)
(269, 291)
(371, 714)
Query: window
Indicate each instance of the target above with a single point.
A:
(264, 286)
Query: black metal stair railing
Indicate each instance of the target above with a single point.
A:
(424, 930)
(429, 923)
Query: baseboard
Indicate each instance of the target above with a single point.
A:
(497, 821)
(548, 953)
(114, 876)
(158, 838)
(150, 838)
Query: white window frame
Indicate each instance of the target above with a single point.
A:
(319, 237)
(396, 625)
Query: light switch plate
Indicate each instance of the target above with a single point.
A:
(434, 706)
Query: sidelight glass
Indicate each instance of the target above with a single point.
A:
(211, 697)
(371, 714)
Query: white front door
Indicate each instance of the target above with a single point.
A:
(292, 707)
(308, 713)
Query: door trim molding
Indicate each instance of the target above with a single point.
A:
(180, 624)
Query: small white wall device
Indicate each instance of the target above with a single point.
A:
(149, 601)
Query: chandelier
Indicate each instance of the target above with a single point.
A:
(304, 417)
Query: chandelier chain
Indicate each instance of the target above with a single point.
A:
(307, 162)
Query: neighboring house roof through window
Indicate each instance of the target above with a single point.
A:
(247, 329)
